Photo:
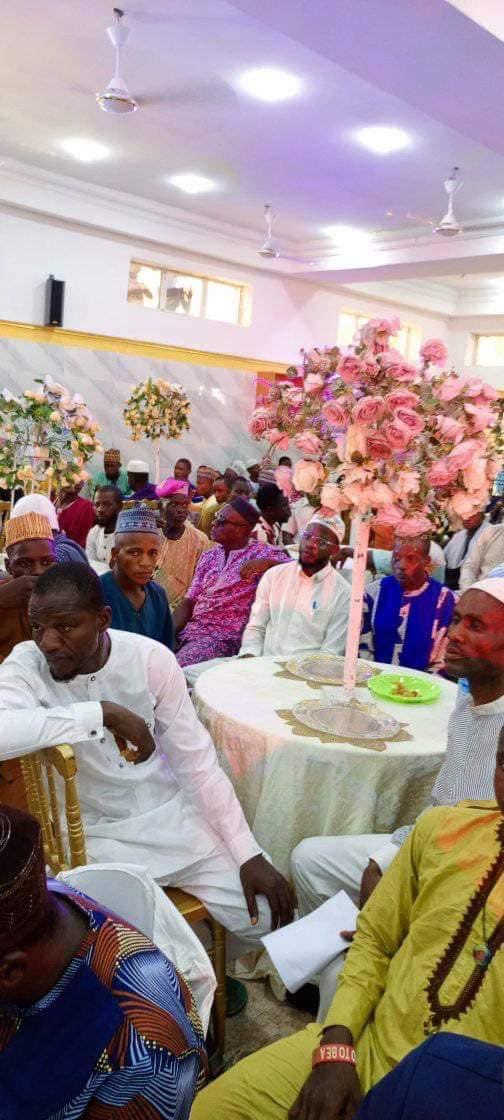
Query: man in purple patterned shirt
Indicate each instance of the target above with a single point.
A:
(211, 619)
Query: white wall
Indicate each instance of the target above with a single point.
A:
(286, 313)
(460, 334)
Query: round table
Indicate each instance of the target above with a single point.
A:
(293, 783)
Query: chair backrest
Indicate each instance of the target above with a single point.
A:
(153, 503)
(64, 843)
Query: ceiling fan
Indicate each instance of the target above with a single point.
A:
(116, 97)
(449, 226)
(270, 248)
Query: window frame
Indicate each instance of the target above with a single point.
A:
(413, 330)
(167, 271)
(471, 357)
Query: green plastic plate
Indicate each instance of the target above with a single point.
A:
(404, 688)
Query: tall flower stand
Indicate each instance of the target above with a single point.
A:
(362, 529)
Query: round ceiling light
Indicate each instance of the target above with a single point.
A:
(382, 139)
(84, 149)
(268, 84)
(192, 184)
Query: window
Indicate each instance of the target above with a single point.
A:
(485, 350)
(201, 297)
(407, 340)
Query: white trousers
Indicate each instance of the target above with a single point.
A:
(215, 880)
(322, 866)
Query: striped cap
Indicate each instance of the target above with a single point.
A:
(28, 527)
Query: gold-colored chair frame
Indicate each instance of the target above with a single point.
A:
(40, 786)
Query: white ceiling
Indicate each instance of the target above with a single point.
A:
(424, 66)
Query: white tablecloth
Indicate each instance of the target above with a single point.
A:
(290, 784)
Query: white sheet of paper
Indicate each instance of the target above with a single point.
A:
(302, 949)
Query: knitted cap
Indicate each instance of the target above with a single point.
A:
(112, 456)
(137, 466)
(138, 519)
(24, 898)
(28, 527)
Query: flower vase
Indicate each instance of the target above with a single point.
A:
(362, 528)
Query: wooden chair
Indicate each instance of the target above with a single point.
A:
(5, 509)
(38, 770)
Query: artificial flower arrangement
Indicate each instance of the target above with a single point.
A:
(157, 408)
(397, 444)
(47, 436)
(384, 436)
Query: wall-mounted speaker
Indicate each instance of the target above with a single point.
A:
(55, 299)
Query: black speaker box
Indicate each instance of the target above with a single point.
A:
(55, 299)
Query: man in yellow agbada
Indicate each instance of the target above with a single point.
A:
(428, 956)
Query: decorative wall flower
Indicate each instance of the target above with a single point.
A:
(156, 408)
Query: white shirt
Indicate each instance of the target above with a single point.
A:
(467, 773)
(294, 613)
(99, 544)
(486, 554)
(457, 548)
(166, 813)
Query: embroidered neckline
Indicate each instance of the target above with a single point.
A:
(441, 1013)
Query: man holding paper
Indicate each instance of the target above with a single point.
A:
(425, 959)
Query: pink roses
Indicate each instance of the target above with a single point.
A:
(278, 439)
(261, 420)
(309, 443)
(350, 369)
(313, 383)
(335, 414)
(434, 352)
(307, 476)
(368, 410)
(410, 420)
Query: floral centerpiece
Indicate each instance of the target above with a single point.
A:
(394, 442)
(157, 408)
(46, 438)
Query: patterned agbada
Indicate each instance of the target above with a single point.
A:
(222, 602)
(178, 560)
(117, 1038)
(414, 967)
(406, 628)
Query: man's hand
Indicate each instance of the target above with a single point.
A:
(370, 880)
(253, 568)
(127, 727)
(332, 1092)
(258, 876)
(16, 593)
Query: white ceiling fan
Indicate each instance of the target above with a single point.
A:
(270, 248)
(449, 226)
(116, 98)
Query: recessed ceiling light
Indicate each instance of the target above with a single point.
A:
(87, 151)
(192, 184)
(348, 237)
(268, 84)
(383, 140)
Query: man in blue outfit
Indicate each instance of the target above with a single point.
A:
(138, 603)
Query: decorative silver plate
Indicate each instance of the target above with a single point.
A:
(325, 668)
(346, 721)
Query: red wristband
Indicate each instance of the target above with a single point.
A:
(333, 1052)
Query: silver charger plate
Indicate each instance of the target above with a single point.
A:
(346, 721)
(325, 668)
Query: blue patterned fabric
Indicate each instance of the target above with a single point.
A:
(405, 629)
(117, 1038)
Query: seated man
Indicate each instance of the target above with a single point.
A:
(221, 494)
(181, 545)
(108, 502)
(407, 615)
(76, 515)
(275, 511)
(112, 473)
(426, 957)
(324, 865)
(460, 545)
(66, 549)
(107, 693)
(302, 512)
(211, 619)
(487, 553)
(137, 602)
(301, 607)
(182, 472)
(94, 1020)
(30, 550)
(139, 487)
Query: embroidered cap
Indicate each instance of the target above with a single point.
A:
(27, 527)
(112, 456)
(207, 472)
(25, 901)
(138, 519)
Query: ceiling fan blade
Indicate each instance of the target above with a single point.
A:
(208, 93)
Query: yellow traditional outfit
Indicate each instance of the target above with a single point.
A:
(178, 560)
(416, 966)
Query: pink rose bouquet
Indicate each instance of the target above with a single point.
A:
(434, 352)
